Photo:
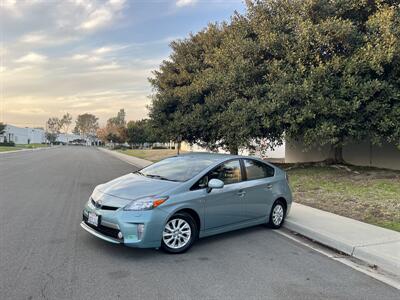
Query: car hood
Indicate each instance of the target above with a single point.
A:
(130, 187)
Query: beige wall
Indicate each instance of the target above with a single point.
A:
(362, 154)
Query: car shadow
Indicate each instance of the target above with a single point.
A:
(123, 253)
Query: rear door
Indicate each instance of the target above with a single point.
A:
(258, 188)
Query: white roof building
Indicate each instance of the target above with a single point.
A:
(27, 135)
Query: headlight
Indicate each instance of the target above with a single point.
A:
(146, 203)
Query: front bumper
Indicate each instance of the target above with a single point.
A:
(127, 222)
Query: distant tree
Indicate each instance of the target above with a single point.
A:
(140, 132)
(86, 125)
(52, 129)
(65, 122)
(115, 131)
(119, 120)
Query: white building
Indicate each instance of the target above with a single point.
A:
(25, 135)
(28, 135)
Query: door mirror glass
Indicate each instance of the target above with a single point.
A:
(215, 184)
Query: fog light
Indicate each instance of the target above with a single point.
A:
(140, 230)
(120, 235)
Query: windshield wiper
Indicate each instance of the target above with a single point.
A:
(158, 177)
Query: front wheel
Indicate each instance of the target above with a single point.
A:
(179, 233)
(277, 215)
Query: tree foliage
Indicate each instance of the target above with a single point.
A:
(140, 132)
(65, 122)
(52, 129)
(86, 125)
(324, 72)
(115, 130)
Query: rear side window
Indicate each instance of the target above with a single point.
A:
(257, 170)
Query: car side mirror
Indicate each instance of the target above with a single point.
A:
(215, 184)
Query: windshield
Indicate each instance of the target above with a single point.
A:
(176, 168)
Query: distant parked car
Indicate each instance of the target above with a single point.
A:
(173, 202)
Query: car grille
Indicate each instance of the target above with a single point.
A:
(103, 207)
(111, 232)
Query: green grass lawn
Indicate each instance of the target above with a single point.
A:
(367, 194)
(21, 146)
(8, 148)
(150, 154)
(31, 146)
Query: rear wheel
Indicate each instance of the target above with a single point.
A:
(277, 215)
(179, 233)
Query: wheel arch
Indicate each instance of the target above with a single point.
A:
(283, 200)
(194, 214)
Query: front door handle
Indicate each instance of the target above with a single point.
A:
(241, 193)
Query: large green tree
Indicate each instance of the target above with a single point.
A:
(333, 72)
(325, 72)
(211, 89)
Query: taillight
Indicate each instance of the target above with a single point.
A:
(287, 177)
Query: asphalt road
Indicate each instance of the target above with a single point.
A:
(45, 254)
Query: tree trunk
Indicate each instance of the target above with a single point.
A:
(338, 154)
(234, 150)
(178, 147)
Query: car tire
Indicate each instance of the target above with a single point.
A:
(277, 215)
(179, 233)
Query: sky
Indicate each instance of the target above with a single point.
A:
(90, 56)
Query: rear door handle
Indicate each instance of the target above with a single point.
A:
(269, 186)
(241, 193)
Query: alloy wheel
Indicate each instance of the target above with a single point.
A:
(177, 233)
(277, 214)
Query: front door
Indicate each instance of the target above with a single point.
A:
(225, 206)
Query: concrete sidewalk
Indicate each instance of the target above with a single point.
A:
(371, 244)
(137, 162)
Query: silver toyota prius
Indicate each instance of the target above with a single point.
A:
(172, 203)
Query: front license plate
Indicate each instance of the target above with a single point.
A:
(93, 219)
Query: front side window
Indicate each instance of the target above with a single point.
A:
(228, 172)
(257, 170)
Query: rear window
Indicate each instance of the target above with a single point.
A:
(178, 168)
(257, 170)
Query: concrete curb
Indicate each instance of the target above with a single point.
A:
(371, 244)
(137, 162)
(28, 150)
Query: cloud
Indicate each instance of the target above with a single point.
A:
(33, 38)
(182, 3)
(108, 49)
(111, 66)
(33, 58)
(97, 19)
(46, 39)
(102, 15)
(86, 57)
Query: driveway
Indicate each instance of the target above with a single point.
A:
(45, 254)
